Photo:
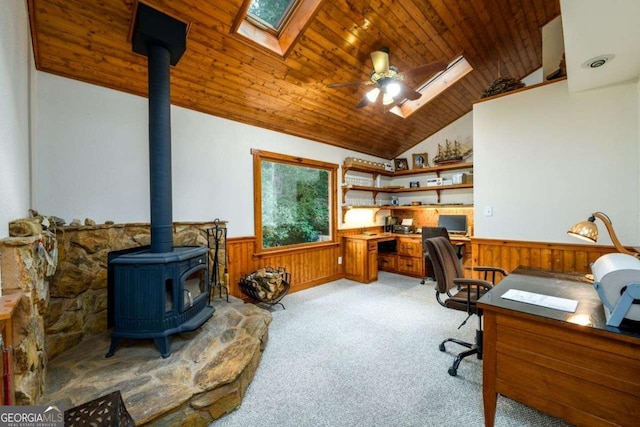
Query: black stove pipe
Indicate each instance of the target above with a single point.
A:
(160, 149)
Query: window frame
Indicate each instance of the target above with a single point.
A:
(280, 43)
(331, 168)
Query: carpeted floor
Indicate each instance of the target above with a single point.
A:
(348, 354)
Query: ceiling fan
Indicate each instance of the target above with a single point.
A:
(390, 86)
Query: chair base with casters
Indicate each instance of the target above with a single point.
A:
(475, 348)
(455, 292)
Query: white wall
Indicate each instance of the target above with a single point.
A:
(546, 158)
(462, 131)
(15, 68)
(92, 159)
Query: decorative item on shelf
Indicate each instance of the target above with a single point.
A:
(420, 160)
(462, 178)
(449, 154)
(434, 182)
(414, 184)
(587, 230)
(388, 166)
(502, 85)
(416, 203)
(561, 71)
(352, 161)
(401, 164)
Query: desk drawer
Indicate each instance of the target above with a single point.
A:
(409, 247)
(410, 266)
(591, 376)
(387, 262)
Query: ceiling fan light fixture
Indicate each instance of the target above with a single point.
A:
(387, 99)
(372, 95)
(380, 60)
(392, 89)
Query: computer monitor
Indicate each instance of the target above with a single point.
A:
(455, 224)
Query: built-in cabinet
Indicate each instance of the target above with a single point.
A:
(407, 258)
(410, 256)
(435, 171)
(361, 259)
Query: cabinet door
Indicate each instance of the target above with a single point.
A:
(372, 262)
(387, 262)
(354, 259)
(409, 247)
(410, 266)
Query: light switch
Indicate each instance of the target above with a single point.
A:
(488, 211)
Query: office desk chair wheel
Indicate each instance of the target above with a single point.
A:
(453, 372)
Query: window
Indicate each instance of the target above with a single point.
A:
(294, 201)
(270, 14)
(457, 69)
(274, 25)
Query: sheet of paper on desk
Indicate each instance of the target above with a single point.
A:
(563, 304)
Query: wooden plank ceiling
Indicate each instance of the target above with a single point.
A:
(224, 76)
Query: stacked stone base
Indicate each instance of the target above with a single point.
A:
(205, 377)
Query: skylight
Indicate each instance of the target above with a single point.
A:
(270, 14)
(457, 69)
(274, 25)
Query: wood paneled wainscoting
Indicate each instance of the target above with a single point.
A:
(558, 257)
(309, 267)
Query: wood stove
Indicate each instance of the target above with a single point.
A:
(158, 290)
(156, 295)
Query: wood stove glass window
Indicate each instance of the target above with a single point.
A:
(295, 201)
(193, 286)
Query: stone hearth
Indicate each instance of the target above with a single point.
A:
(205, 377)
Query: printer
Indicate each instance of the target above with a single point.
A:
(403, 229)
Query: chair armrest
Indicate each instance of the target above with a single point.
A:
(473, 283)
(492, 270)
(469, 283)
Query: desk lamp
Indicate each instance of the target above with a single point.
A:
(587, 230)
(616, 276)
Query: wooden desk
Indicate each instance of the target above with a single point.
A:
(361, 256)
(569, 365)
(8, 304)
(362, 260)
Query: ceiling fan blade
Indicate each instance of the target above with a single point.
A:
(406, 93)
(351, 84)
(363, 102)
(431, 68)
(380, 60)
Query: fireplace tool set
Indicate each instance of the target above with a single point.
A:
(217, 240)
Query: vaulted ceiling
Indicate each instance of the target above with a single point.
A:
(223, 75)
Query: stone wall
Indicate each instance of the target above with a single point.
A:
(78, 306)
(23, 271)
(56, 313)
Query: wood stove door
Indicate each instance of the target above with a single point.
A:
(194, 286)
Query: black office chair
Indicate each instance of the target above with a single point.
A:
(459, 293)
(427, 233)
